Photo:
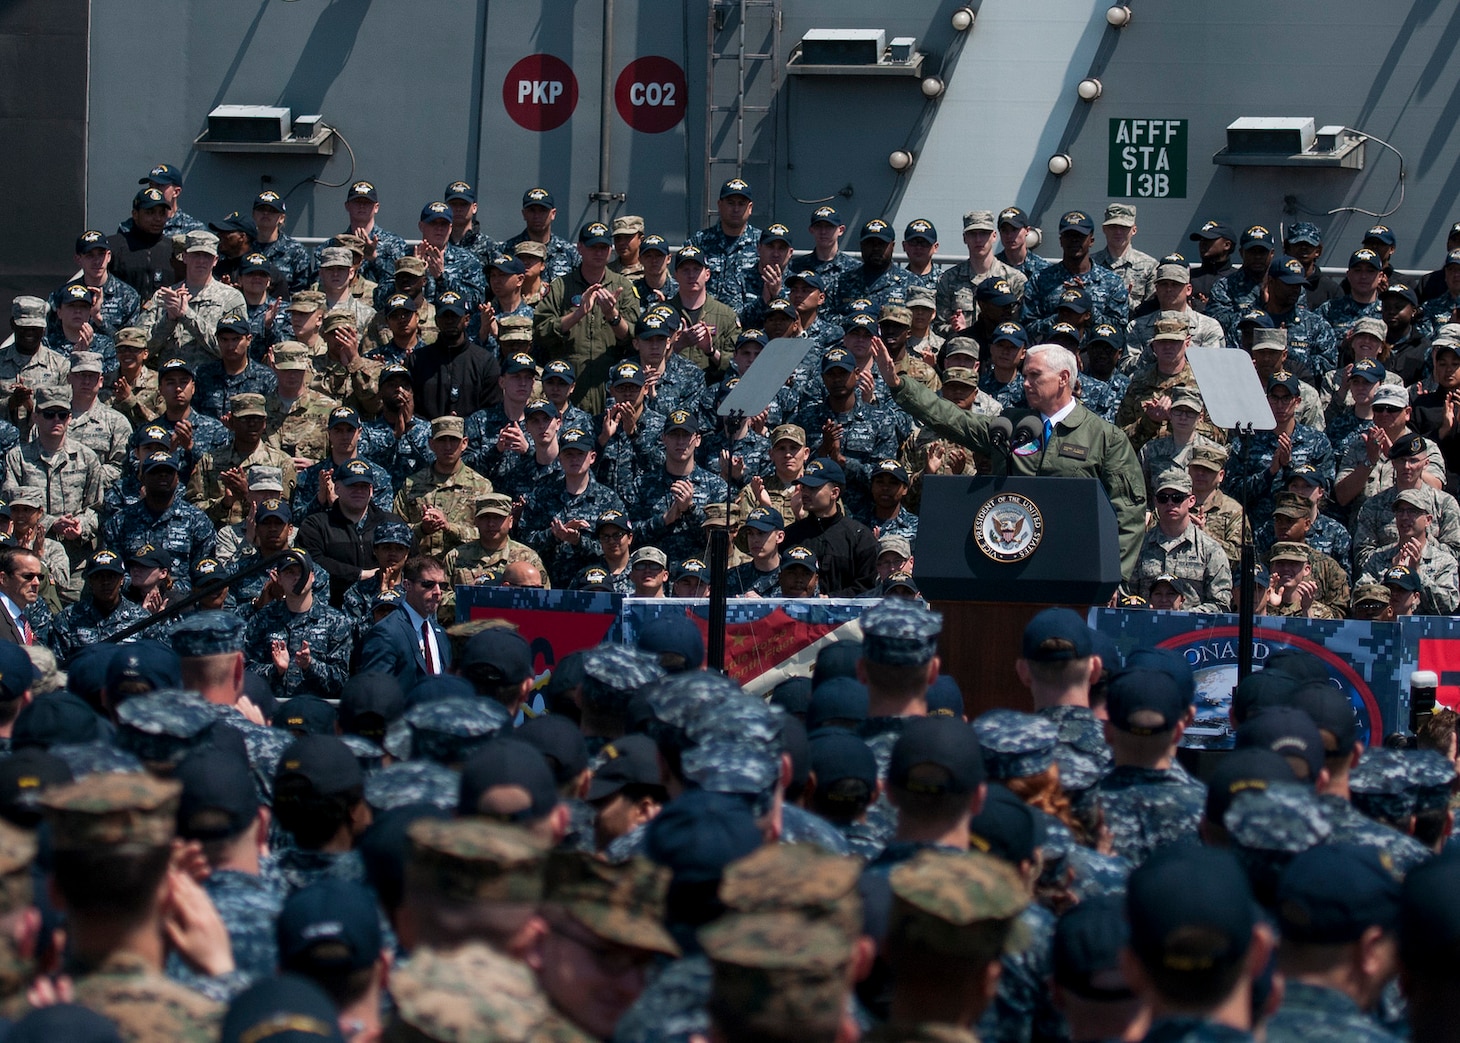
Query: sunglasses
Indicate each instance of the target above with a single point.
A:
(1390, 409)
(1171, 497)
(430, 584)
(55, 414)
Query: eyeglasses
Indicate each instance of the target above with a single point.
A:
(1171, 497)
(430, 584)
(28, 577)
(646, 566)
(1390, 409)
(55, 414)
(617, 534)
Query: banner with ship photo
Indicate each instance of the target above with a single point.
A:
(1369, 662)
(554, 622)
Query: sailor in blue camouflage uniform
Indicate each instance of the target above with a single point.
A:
(161, 727)
(1109, 298)
(1013, 227)
(868, 430)
(1240, 291)
(1329, 900)
(553, 517)
(730, 255)
(287, 255)
(359, 601)
(362, 203)
(446, 731)
(677, 382)
(558, 381)
(264, 316)
(774, 254)
(1255, 467)
(120, 304)
(539, 209)
(669, 506)
(1269, 827)
(75, 303)
(625, 457)
(1101, 397)
(830, 270)
(612, 675)
(895, 632)
(404, 454)
(1440, 311)
(747, 451)
(1382, 787)
(316, 639)
(1343, 311)
(1008, 337)
(163, 519)
(215, 385)
(461, 271)
(462, 199)
(85, 623)
(1146, 805)
(313, 767)
(1311, 340)
(878, 278)
(209, 435)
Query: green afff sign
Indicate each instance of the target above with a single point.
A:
(1147, 159)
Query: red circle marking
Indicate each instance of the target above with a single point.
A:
(540, 92)
(651, 94)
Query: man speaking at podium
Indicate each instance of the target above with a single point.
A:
(1076, 443)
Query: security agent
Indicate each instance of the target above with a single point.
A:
(1078, 444)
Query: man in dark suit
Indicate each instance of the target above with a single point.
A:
(21, 573)
(409, 643)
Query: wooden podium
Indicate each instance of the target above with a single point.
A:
(993, 552)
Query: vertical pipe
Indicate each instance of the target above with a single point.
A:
(605, 115)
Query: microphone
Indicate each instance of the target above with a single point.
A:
(1029, 431)
(1001, 433)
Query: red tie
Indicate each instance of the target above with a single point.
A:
(425, 645)
(29, 633)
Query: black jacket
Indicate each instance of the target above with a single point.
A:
(341, 548)
(845, 549)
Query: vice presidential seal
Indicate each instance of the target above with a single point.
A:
(1008, 527)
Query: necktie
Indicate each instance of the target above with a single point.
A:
(1048, 430)
(29, 633)
(426, 647)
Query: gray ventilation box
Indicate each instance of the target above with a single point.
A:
(1271, 135)
(843, 46)
(256, 123)
(902, 48)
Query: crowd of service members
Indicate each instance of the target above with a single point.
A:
(303, 808)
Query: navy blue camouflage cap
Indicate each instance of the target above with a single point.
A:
(1431, 777)
(448, 730)
(1015, 745)
(810, 278)
(213, 632)
(613, 673)
(1380, 234)
(1005, 828)
(1268, 827)
(626, 373)
(1380, 785)
(306, 715)
(1259, 236)
(900, 632)
(877, 229)
(286, 1008)
(1144, 702)
(839, 699)
(392, 532)
(1332, 894)
(765, 519)
(937, 755)
(160, 728)
(559, 369)
(1304, 232)
(143, 666)
(1076, 221)
(776, 233)
(736, 186)
(219, 799)
(920, 228)
(1011, 332)
(820, 471)
(1288, 731)
(1190, 911)
(507, 762)
(1056, 635)
(1085, 953)
(328, 927)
